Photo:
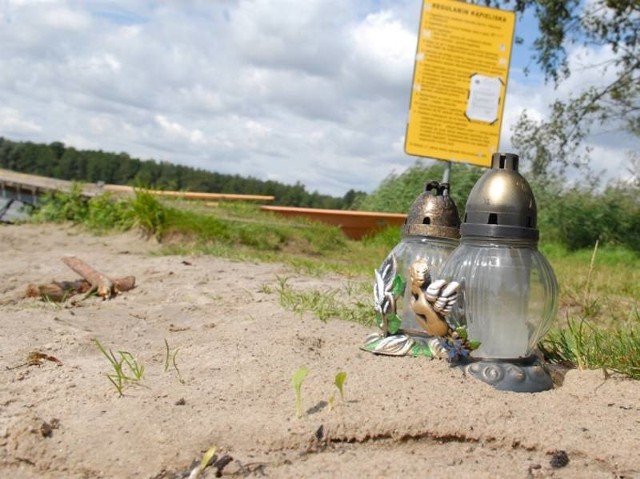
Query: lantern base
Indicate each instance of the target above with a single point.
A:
(528, 375)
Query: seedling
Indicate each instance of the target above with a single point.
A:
(171, 357)
(341, 377)
(134, 367)
(296, 381)
(204, 462)
(119, 378)
(339, 381)
(332, 402)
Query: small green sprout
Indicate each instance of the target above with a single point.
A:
(171, 357)
(341, 377)
(296, 380)
(207, 458)
(332, 402)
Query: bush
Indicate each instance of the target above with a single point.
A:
(396, 193)
(577, 218)
(61, 206)
(106, 212)
(148, 214)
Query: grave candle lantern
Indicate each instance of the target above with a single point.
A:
(429, 235)
(508, 290)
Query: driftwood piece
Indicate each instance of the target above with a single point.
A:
(100, 282)
(121, 285)
(58, 291)
(93, 281)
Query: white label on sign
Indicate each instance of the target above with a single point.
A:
(484, 98)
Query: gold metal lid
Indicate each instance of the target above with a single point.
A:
(433, 213)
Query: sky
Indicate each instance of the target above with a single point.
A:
(315, 91)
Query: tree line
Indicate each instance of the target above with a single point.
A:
(56, 160)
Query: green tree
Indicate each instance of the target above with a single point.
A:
(352, 199)
(397, 193)
(57, 148)
(67, 163)
(551, 145)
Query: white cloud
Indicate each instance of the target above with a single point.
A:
(315, 91)
(384, 48)
(11, 121)
(590, 67)
(79, 142)
(176, 129)
(287, 34)
(65, 19)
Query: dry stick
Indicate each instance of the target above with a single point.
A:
(60, 291)
(124, 284)
(105, 286)
(93, 281)
(102, 284)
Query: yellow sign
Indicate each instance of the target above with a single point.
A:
(459, 81)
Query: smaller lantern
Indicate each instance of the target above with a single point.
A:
(405, 307)
(508, 289)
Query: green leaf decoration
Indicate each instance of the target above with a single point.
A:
(394, 323)
(372, 345)
(421, 350)
(473, 344)
(462, 332)
(398, 286)
(379, 320)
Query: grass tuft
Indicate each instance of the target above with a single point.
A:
(347, 303)
(584, 345)
(120, 377)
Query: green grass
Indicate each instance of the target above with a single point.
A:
(585, 345)
(603, 288)
(599, 317)
(170, 358)
(345, 302)
(120, 376)
(599, 300)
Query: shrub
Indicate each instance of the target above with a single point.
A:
(396, 193)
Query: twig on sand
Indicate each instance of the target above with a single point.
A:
(94, 281)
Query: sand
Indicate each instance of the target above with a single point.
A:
(237, 349)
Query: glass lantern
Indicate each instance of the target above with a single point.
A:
(508, 290)
(429, 235)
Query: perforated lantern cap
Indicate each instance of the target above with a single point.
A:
(433, 213)
(501, 204)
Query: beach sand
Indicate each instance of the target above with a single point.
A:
(237, 349)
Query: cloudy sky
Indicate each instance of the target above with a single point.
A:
(315, 91)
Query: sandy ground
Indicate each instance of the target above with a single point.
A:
(402, 417)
